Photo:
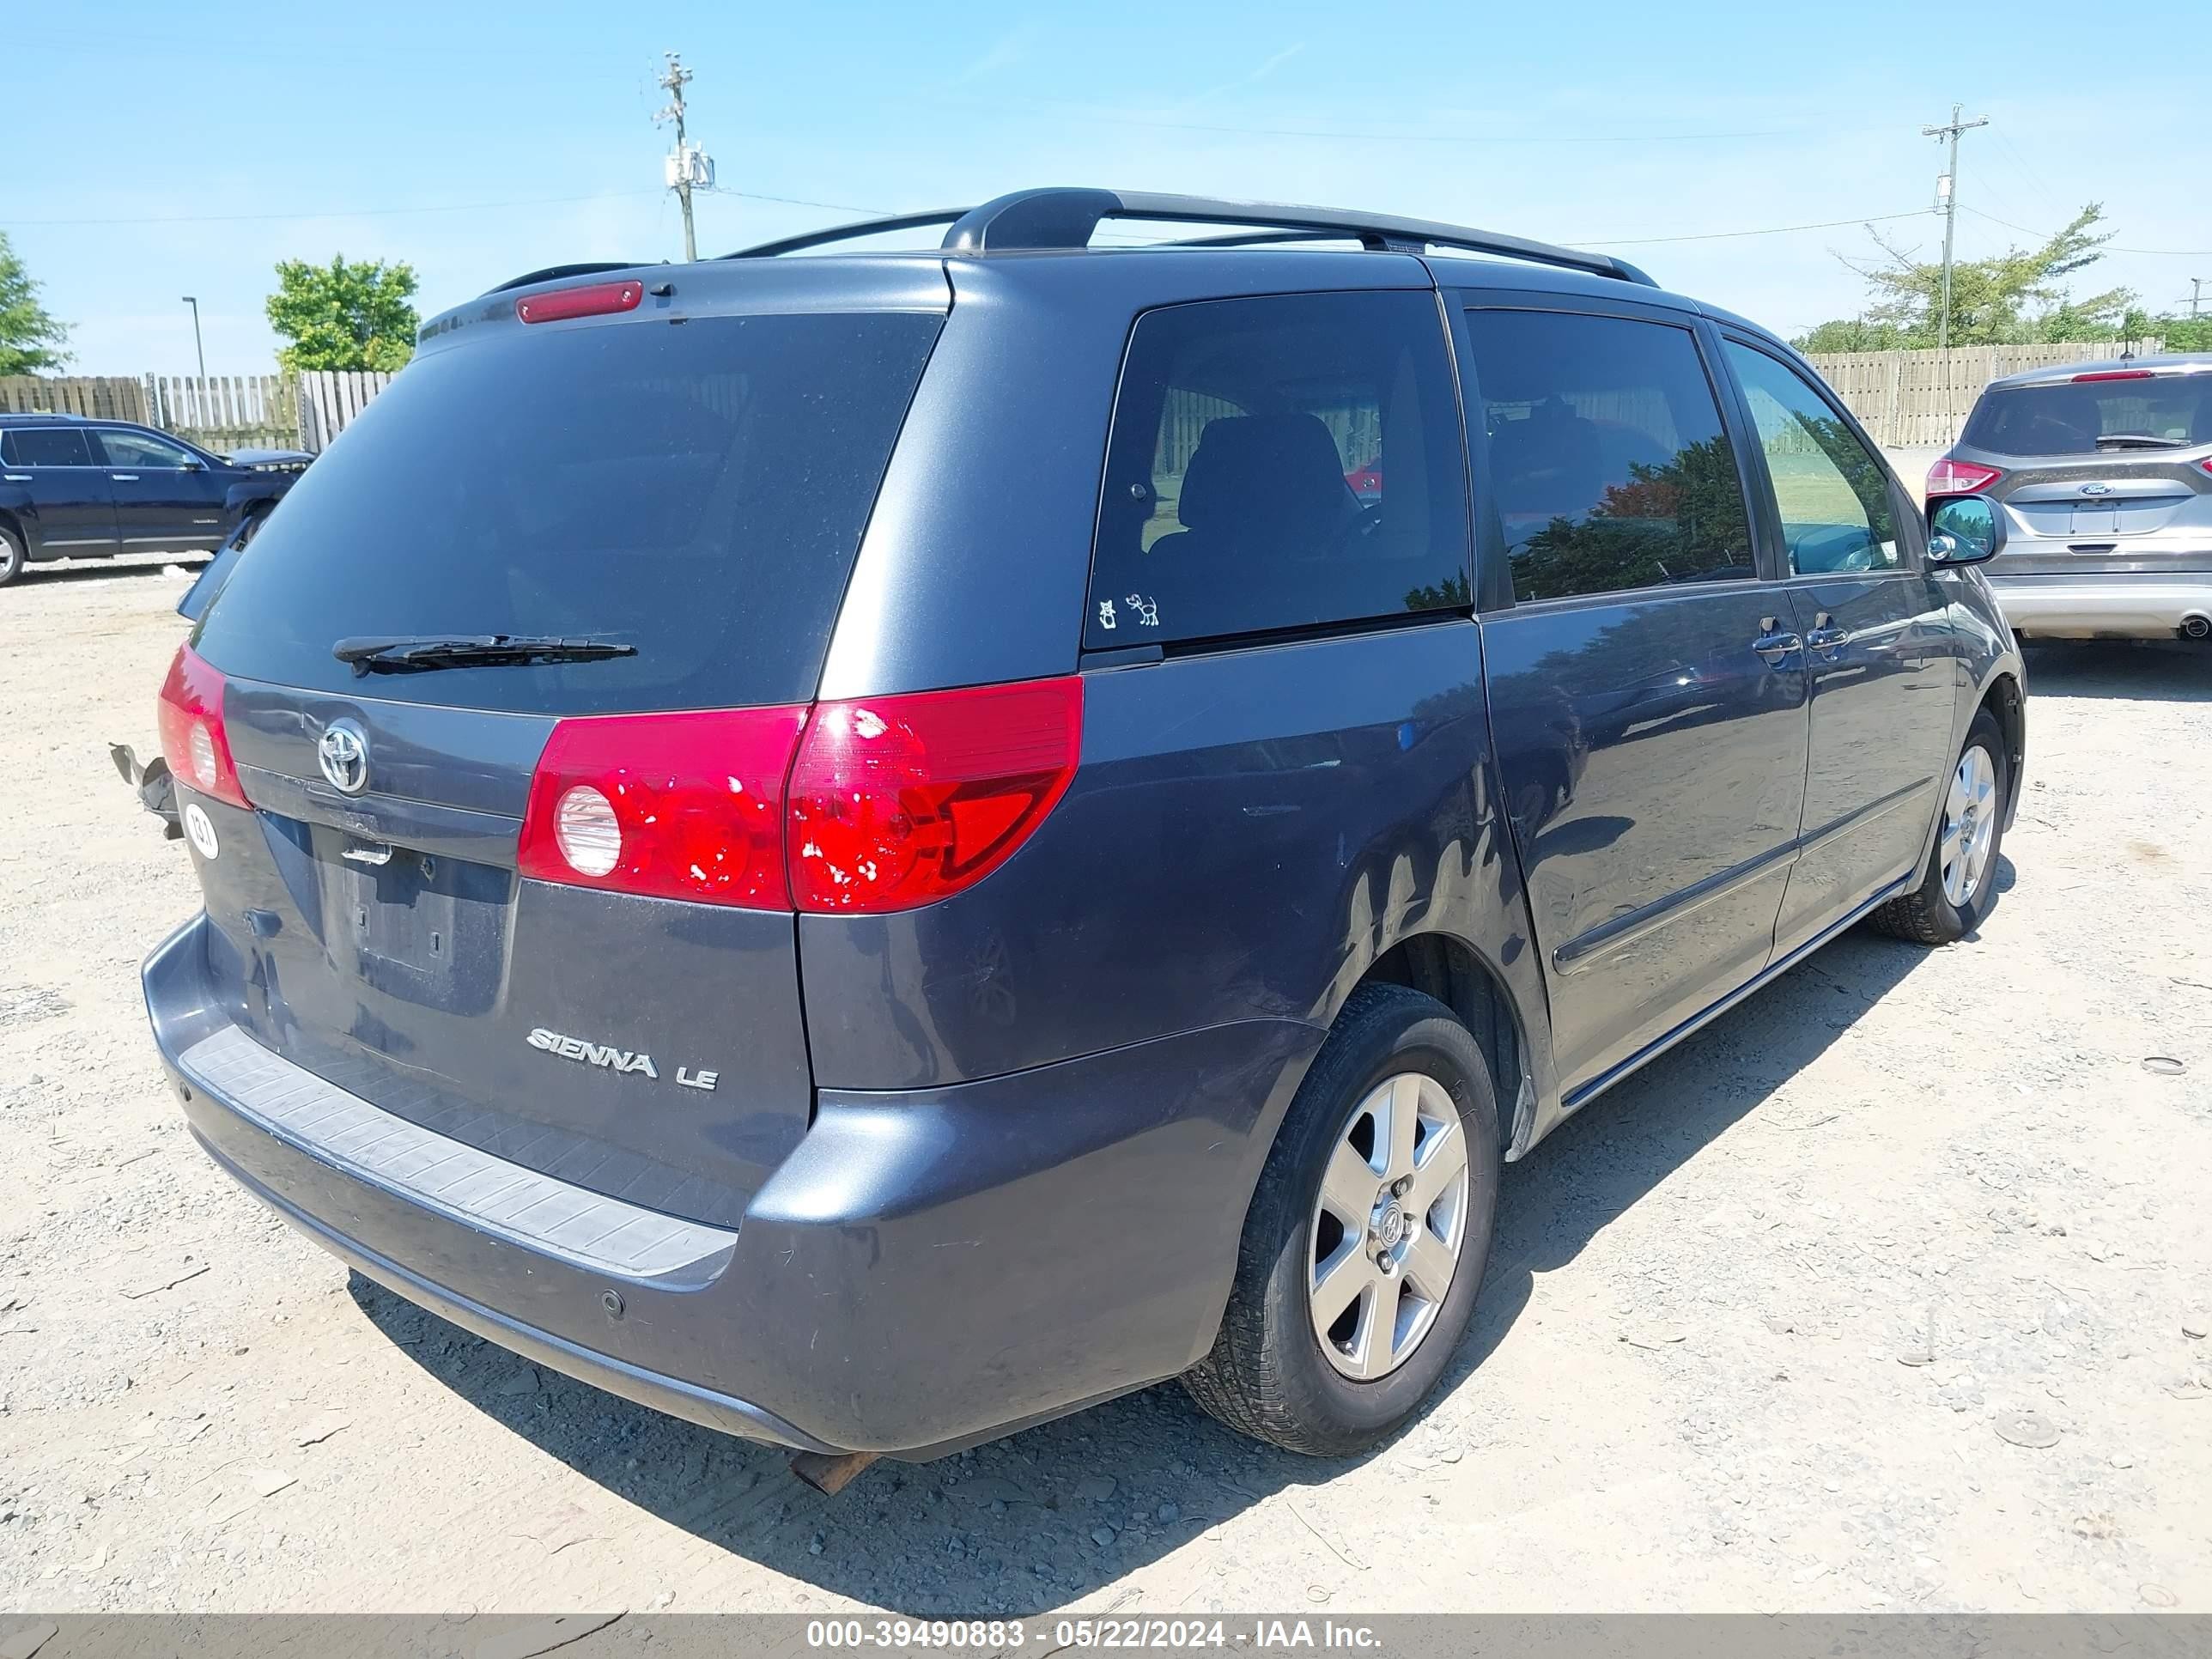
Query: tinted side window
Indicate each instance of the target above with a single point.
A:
(1277, 463)
(136, 449)
(1830, 491)
(33, 445)
(1609, 463)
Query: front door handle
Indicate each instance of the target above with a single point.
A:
(1772, 646)
(124, 477)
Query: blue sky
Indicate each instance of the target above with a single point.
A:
(185, 149)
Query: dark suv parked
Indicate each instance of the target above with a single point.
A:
(871, 849)
(77, 488)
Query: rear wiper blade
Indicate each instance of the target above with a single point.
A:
(386, 654)
(2142, 440)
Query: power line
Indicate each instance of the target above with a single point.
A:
(1724, 235)
(1546, 139)
(435, 207)
(2155, 252)
(340, 213)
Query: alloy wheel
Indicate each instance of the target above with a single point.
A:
(1970, 826)
(1387, 1225)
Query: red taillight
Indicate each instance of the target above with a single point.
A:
(2114, 374)
(1950, 477)
(594, 300)
(193, 739)
(880, 804)
(898, 802)
(2205, 465)
(684, 806)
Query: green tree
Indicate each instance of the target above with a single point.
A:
(354, 315)
(30, 338)
(2181, 333)
(2019, 297)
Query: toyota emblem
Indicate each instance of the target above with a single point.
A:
(343, 751)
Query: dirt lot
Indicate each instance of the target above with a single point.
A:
(1888, 1290)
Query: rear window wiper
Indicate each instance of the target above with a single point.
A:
(387, 655)
(2142, 440)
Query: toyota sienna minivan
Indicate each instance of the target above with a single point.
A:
(870, 849)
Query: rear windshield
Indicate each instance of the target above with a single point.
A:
(2068, 419)
(697, 491)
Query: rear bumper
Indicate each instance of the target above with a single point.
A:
(2121, 605)
(926, 1270)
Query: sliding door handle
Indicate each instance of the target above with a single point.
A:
(1772, 646)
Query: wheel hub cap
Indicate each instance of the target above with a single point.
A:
(1970, 826)
(1387, 1225)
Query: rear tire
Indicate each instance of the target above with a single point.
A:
(1959, 884)
(12, 556)
(1395, 1056)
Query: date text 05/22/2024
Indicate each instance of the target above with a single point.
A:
(1247, 1636)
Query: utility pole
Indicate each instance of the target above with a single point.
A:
(200, 351)
(686, 165)
(1946, 203)
(2195, 295)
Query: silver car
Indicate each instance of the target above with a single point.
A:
(2103, 472)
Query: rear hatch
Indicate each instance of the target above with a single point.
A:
(685, 486)
(2102, 472)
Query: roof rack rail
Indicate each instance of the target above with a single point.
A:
(1067, 218)
(590, 268)
(851, 233)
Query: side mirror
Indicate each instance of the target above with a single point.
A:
(192, 463)
(1965, 529)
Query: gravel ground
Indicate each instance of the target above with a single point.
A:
(1888, 1290)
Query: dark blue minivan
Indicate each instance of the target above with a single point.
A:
(870, 849)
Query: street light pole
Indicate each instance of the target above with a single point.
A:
(198, 351)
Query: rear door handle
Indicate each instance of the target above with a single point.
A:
(1825, 637)
(1772, 646)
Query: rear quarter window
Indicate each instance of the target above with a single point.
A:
(1278, 464)
(32, 446)
(697, 491)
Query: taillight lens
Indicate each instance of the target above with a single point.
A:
(193, 739)
(898, 802)
(1950, 477)
(683, 806)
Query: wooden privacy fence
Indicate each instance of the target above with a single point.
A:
(1907, 399)
(222, 412)
(331, 398)
(1913, 399)
(98, 396)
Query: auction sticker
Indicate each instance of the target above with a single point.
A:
(199, 829)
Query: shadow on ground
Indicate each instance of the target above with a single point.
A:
(2156, 671)
(1045, 1516)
